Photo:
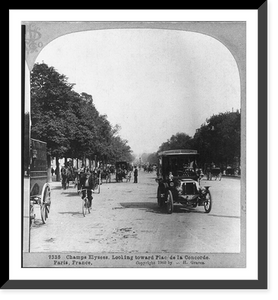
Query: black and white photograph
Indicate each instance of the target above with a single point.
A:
(141, 137)
(133, 136)
(134, 144)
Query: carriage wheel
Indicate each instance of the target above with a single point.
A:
(43, 213)
(45, 203)
(32, 215)
(208, 202)
(169, 202)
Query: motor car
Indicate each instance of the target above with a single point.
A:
(178, 181)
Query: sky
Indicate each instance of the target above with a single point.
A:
(153, 83)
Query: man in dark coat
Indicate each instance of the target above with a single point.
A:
(135, 174)
(87, 183)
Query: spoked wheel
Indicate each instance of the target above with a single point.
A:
(169, 202)
(208, 202)
(85, 206)
(160, 200)
(32, 215)
(45, 203)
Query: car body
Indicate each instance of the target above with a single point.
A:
(178, 181)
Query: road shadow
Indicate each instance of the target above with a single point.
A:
(56, 187)
(72, 213)
(70, 193)
(147, 206)
(37, 223)
(199, 210)
(178, 208)
(222, 216)
(153, 207)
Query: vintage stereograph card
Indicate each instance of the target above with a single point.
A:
(134, 144)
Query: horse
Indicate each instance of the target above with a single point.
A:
(128, 176)
(214, 172)
(106, 175)
(65, 176)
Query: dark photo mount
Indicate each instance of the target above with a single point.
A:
(261, 282)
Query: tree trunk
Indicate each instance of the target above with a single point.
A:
(57, 170)
(49, 175)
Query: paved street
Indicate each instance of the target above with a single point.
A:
(126, 218)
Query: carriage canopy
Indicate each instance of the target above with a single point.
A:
(177, 161)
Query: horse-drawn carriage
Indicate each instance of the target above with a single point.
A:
(40, 192)
(214, 173)
(122, 169)
(177, 179)
(106, 174)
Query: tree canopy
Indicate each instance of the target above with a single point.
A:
(217, 141)
(69, 122)
(72, 126)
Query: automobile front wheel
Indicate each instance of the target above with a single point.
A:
(208, 202)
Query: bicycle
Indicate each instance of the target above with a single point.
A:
(85, 202)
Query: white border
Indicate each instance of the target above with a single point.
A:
(16, 16)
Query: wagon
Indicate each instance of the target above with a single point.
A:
(122, 168)
(214, 172)
(40, 192)
(178, 181)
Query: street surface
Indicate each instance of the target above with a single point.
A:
(126, 218)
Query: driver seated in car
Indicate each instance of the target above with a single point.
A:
(171, 176)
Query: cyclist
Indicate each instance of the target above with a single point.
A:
(87, 183)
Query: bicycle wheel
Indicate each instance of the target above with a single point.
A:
(84, 207)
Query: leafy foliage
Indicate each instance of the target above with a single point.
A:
(178, 141)
(69, 122)
(72, 126)
(217, 141)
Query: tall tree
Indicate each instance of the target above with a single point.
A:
(218, 140)
(178, 141)
(49, 104)
(69, 122)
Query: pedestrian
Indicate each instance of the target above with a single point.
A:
(135, 174)
(52, 171)
(64, 175)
